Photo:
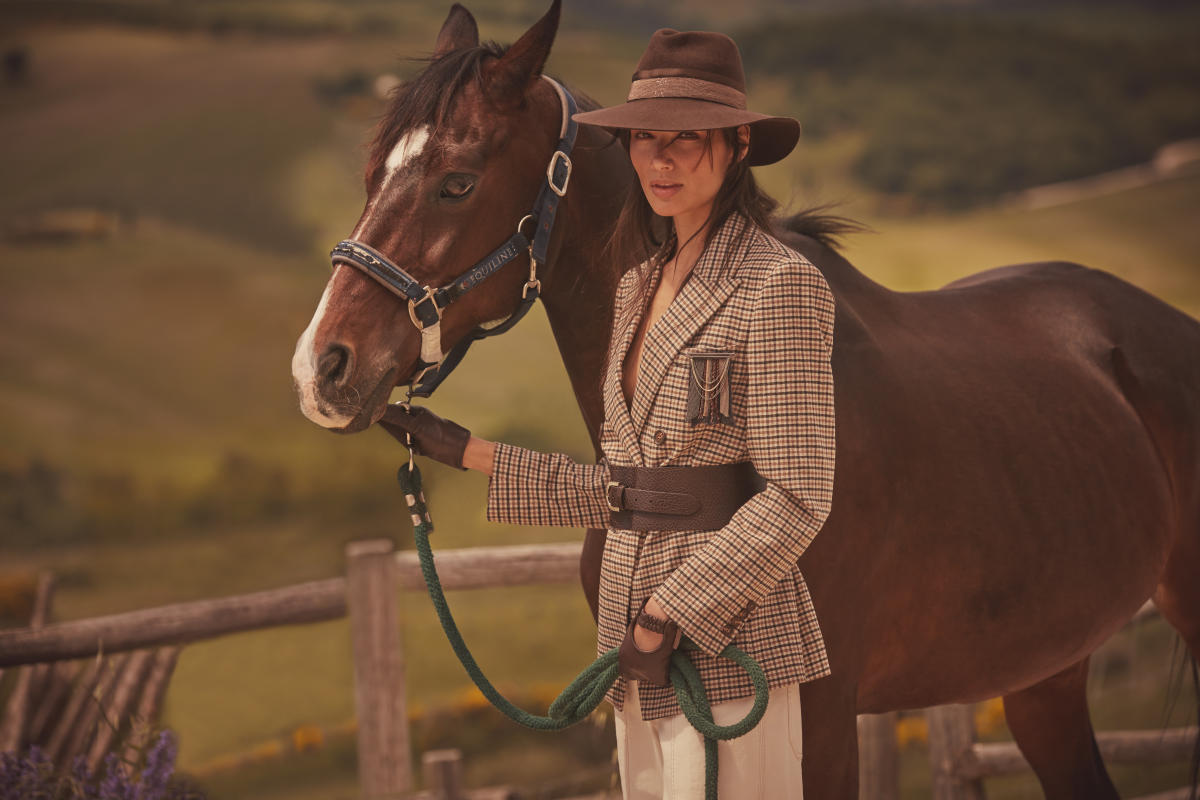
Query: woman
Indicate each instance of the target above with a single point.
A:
(718, 436)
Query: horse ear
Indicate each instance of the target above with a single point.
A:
(525, 57)
(459, 31)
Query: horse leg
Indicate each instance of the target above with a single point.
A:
(1050, 723)
(827, 709)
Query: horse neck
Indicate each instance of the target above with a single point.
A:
(579, 288)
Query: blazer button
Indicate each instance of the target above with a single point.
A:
(660, 437)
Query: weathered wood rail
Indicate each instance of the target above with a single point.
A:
(302, 604)
(367, 595)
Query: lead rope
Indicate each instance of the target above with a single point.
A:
(587, 690)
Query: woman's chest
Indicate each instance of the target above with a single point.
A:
(662, 297)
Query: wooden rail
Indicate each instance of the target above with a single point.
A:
(367, 594)
(316, 601)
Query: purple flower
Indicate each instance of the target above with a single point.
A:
(160, 763)
(116, 785)
(28, 777)
(32, 776)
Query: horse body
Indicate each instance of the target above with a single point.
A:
(999, 509)
(1018, 463)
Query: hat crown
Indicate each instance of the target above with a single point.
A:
(701, 55)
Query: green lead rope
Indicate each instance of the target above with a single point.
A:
(587, 691)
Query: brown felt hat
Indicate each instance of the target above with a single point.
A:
(693, 80)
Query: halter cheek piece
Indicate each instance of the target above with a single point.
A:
(425, 304)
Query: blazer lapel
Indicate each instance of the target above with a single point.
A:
(710, 284)
(616, 409)
(700, 296)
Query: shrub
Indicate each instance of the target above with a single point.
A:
(32, 776)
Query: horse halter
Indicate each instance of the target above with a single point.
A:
(425, 304)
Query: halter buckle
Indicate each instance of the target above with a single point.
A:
(559, 157)
(412, 309)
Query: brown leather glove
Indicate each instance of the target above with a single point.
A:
(648, 667)
(440, 439)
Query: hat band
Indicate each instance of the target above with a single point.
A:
(690, 88)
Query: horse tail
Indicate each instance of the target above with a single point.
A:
(826, 229)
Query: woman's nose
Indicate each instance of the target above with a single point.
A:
(661, 159)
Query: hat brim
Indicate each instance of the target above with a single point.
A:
(771, 138)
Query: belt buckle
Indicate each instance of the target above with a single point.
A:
(608, 496)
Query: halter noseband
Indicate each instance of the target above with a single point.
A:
(425, 304)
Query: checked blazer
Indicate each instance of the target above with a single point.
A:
(751, 296)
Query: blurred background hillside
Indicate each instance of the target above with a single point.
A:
(174, 174)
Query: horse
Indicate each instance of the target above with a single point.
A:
(1018, 453)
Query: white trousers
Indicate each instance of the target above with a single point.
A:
(664, 759)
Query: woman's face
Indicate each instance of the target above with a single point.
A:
(680, 171)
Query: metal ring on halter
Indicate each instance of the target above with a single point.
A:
(412, 308)
(521, 224)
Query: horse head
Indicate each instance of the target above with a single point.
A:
(459, 159)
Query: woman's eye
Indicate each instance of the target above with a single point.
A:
(643, 135)
(456, 187)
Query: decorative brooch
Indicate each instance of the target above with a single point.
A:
(708, 386)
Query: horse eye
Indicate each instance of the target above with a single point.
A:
(457, 187)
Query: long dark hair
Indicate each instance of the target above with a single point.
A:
(641, 235)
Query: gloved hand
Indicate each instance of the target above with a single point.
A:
(440, 439)
(648, 666)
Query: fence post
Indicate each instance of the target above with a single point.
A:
(951, 735)
(15, 722)
(442, 774)
(878, 757)
(384, 767)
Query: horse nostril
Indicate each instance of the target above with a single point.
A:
(334, 365)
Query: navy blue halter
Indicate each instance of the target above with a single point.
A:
(425, 304)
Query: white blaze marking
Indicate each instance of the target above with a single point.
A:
(304, 366)
(409, 147)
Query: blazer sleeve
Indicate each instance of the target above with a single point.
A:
(790, 437)
(528, 487)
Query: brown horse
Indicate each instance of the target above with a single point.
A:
(1018, 457)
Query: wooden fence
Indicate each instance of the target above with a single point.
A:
(71, 709)
(367, 593)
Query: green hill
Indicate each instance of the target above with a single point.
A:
(150, 446)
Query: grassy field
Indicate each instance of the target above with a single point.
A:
(158, 357)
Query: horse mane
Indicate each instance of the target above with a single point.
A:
(826, 229)
(428, 98)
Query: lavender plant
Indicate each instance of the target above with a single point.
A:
(32, 776)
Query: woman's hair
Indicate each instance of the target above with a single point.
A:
(640, 234)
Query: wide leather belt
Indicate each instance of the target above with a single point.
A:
(679, 498)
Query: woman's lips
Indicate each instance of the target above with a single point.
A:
(665, 190)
